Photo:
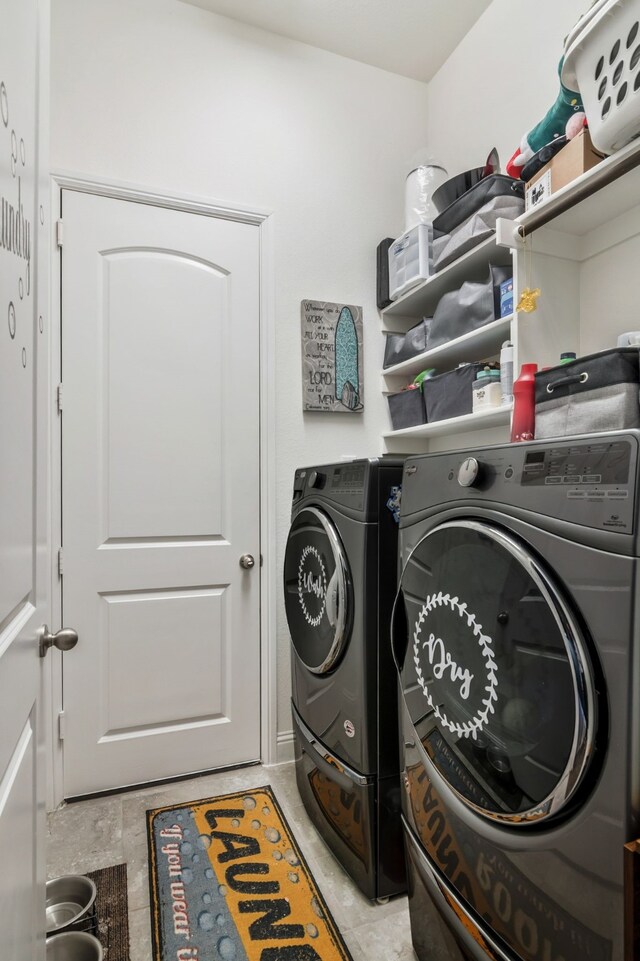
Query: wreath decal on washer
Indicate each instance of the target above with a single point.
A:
(316, 585)
(436, 648)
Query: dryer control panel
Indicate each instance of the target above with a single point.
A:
(585, 467)
(590, 481)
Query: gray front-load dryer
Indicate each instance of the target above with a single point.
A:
(516, 640)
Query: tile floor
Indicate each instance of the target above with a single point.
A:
(93, 834)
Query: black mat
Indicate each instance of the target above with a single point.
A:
(113, 911)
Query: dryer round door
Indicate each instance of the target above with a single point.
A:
(495, 672)
(318, 594)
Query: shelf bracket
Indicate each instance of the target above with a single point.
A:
(508, 234)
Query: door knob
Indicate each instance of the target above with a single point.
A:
(247, 561)
(64, 640)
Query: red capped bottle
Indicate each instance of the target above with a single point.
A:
(524, 410)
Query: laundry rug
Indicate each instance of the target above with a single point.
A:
(112, 911)
(228, 883)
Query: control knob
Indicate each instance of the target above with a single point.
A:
(469, 472)
(316, 479)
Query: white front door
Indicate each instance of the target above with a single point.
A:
(23, 494)
(160, 481)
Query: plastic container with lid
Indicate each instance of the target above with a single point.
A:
(487, 391)
(421, 184)
(567, 357)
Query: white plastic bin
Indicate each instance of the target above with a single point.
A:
(410, 259)
(602, 61)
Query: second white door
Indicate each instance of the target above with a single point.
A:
(160, 455)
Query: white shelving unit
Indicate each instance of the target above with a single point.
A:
(481, 344)
(422, 299)
(581, 248)
(396, 440)
(478, 344)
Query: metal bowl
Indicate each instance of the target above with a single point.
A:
(457, 186)
(70, 904)
(74, 946)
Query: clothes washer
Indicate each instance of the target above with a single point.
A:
(515, 634)
(340, 577)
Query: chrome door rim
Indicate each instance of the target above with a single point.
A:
(583, 685)
(342, 571)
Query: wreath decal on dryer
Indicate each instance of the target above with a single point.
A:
(307, 582)
(472, 728)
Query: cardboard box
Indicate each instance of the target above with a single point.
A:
(576, 158)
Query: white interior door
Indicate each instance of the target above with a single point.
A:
(160, 455)
(23, 494)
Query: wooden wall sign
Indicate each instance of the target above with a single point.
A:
(331, 357)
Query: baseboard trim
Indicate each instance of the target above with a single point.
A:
(284, 749)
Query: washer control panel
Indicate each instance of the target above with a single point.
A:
(341, 483)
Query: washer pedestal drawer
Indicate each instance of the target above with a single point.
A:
(344, 807)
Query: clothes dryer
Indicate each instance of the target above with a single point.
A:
(340, 577)
(516, 639)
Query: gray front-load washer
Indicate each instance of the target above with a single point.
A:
(516, 640)
(340, 579)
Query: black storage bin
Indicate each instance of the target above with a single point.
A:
(472, 218)
(451, 394)
(407, 408)
(399, 347)
(599, 392)
(472, 306)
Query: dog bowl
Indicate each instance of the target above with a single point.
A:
(70, 904)
(74, 946)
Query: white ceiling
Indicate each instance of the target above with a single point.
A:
(409, 37)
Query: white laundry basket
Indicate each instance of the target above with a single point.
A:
(602, 61)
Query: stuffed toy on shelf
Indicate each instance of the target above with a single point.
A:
(564, 118)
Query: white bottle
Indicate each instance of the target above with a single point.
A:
(506, 372)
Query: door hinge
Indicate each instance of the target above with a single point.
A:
(62, 725)
(59, 398)
(60, 563)
(59, 233)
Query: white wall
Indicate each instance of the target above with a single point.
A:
(164, 95)
(500, 80)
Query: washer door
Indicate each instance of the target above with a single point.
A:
(494, 671)
(318, 595)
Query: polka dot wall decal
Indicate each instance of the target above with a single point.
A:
(4, 105)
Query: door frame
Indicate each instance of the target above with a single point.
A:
(263, 220)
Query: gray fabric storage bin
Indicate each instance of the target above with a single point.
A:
(451, 394)
(600, 392)
(472, 232)
(472, 306)
(472, 217)
(399, 347)
(407, 408)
